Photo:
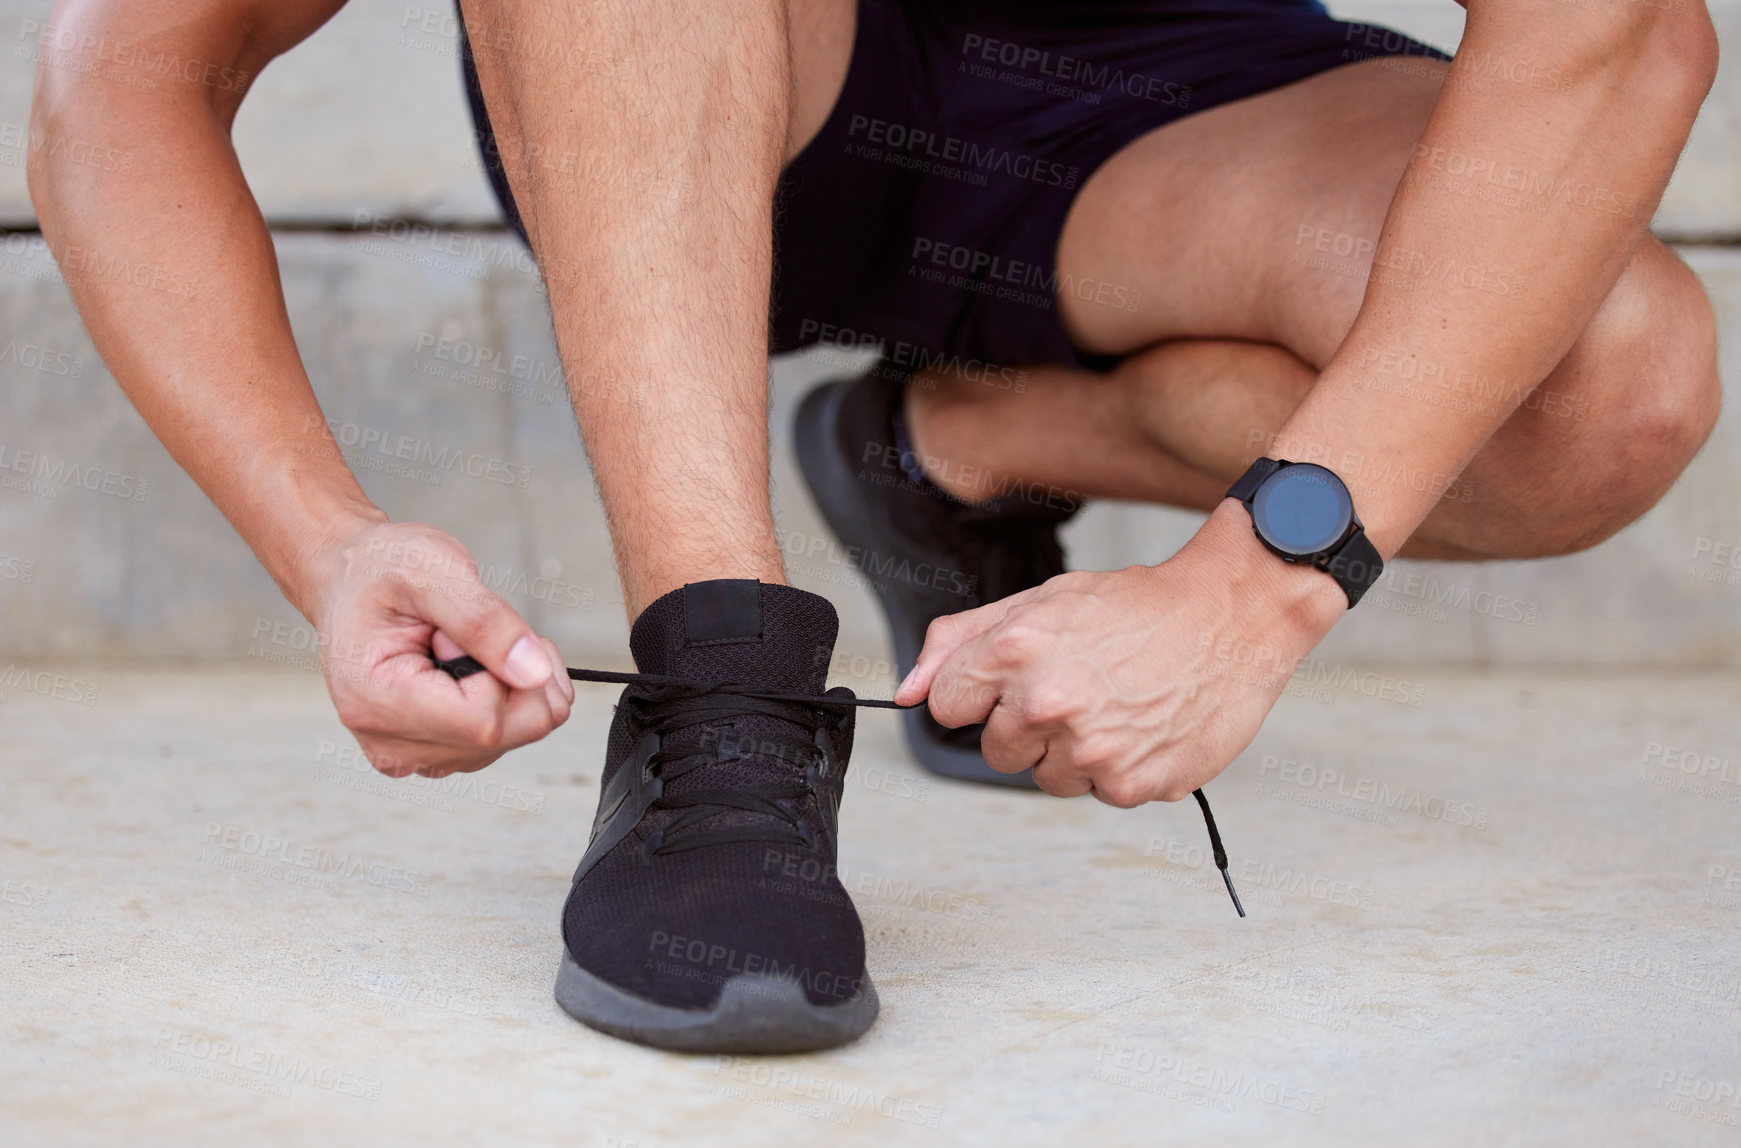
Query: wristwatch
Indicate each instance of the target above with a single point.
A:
(1303, 513)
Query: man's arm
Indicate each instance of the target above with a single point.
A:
(1146, 683)
(197, 334)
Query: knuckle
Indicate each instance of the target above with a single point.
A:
(1122, 792)
(483, 732)
(1049, 704)
(1094, 753)
(941, 630)
(1014, 644)
(356, 715)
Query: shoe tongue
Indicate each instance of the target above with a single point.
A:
(742, 631)
(738, 630)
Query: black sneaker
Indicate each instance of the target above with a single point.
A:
(707, 914)
(925, 553)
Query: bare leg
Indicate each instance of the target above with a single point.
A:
(645, 177)
(1240, 310)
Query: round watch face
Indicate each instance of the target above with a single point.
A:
(1302, 509)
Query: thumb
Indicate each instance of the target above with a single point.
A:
(487, 628)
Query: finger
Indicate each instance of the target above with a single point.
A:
(444, 647)
(973, 680)
(405, 697)
(478, 721)
(1060, 780)
(1009, 742)
(488, 629)
(397, 757)
(563, 681)
(943, 637)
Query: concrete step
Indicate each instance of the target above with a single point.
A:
(432, 354)
(368, 117)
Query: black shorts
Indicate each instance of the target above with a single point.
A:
(925, 216)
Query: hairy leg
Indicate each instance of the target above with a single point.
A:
(1249, 229)
(645, 175)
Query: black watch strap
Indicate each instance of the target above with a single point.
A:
(1356, 566)
(1246, 487)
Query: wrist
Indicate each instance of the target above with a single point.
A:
(1302, 597)
(326, 532)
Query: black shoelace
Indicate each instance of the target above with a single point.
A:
(683, 702)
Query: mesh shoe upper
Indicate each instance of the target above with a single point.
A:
(731, 869)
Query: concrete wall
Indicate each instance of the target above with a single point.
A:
(122, 555)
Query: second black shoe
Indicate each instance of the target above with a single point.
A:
(707, 913)
(925, 553)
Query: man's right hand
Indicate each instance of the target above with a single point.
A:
(395, 594)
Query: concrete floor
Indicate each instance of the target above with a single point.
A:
(1510, 927)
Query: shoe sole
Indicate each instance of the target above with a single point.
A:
(753, 1015)
(828, 476)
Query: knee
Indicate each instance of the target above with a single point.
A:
(1643, 396)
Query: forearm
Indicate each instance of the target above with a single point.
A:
(173, 272)
(1564, 125)
(646, 188)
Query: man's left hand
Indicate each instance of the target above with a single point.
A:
(1137, 685)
